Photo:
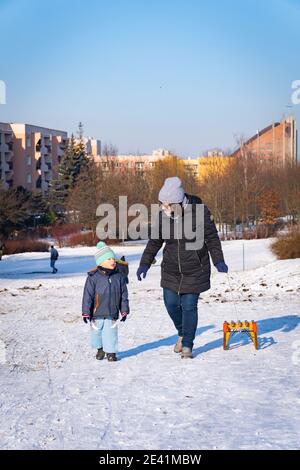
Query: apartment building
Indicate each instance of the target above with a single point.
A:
(30, 155)
(139, 163)
(6, 155)
(37, 152)
(191, 167)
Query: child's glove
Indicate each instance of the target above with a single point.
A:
(86, 318)
(123, 316)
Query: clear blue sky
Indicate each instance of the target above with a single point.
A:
(180, 74)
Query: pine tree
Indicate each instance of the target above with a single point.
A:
(73, 162)
(80, 150)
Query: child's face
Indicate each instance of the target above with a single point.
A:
(110, 263)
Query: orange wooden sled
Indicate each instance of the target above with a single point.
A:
(250, 328)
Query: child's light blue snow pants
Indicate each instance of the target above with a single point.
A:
(104, 336)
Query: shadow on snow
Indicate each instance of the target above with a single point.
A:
(284, 324)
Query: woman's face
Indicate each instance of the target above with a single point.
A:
(171, 210)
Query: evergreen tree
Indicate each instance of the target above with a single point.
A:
(73, 162)
(80, 150)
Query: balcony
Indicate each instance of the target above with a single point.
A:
(7, 137)
(48, 176)
(4, 147)
(38, 146)
(8, 157)
(60, 154)
(8, 167)
(9, 174)
(38, 184)
(63, 145)
(44, 186)
(41, 166)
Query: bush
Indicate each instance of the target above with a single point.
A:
(13, 247)
(249, 235)
(265, 230)
(287, 246)
(83, 239)
(64, 230)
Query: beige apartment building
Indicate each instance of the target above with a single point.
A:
(139, 163)
(6, 155)
(30, 155)
(191, 167)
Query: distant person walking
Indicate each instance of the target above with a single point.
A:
(53, 259)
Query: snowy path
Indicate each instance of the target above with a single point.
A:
(55, 395)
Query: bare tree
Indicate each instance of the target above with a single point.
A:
(109, 150)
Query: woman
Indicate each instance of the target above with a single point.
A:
(185, 273)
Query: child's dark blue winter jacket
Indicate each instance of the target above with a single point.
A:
(105, 294)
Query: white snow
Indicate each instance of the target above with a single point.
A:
(55, 395)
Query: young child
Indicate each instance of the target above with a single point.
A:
(105, 296)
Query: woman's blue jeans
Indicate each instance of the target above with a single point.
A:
(183, 310)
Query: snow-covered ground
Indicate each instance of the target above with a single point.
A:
(55, 395)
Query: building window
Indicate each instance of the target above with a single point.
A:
(28, 142)
(29, 180)
(29, 160)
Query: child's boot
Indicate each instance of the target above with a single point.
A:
(111, 357)
(100, 354)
